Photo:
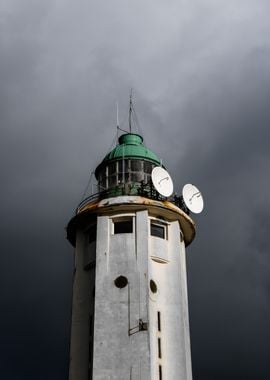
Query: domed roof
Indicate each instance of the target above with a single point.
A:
(130, 146)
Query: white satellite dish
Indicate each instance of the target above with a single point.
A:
(162, 181)
(193, 198)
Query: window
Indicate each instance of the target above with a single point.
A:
(153, 286)
(160, 372)
(112, 168)
(148, 166)
(158, 230)
(123, 225)
(159, 348)
(112, 181)
(158, 321)
(120, 282)
(136, 165)
(103, 179)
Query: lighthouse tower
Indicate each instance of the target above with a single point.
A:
(130, 306)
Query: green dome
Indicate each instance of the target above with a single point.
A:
(130, 146)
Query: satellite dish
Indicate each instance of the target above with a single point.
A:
(162, 181)
(193, 198)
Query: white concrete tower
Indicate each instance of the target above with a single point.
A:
(130, 306)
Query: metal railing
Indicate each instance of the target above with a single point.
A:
(143, 190)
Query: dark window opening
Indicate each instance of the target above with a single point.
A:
(158, 321)
(160, 372)
(148, 167)
(123, 166)
(136, 177)
(112, 168)
(120, 282)
(112, 181)
(159, 348)
(123, 226)
(153, 286)
(102, 179)
(136, 165)
(158, 230)
(126, 179)
(92, 233)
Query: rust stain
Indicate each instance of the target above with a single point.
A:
(108, 205)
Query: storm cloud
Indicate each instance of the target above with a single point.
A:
(200, 72)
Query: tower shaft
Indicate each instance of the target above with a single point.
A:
(130, 308)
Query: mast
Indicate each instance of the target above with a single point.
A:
(130, 110)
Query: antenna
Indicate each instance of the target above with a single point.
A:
(117, 115)
(130, 110)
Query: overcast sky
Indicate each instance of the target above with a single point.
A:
(200, 71)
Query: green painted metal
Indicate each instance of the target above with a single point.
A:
(131, 146)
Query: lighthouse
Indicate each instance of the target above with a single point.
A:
(130, 305)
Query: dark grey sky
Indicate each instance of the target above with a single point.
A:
(201, 75)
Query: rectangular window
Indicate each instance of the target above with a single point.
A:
(158, 230)
(123, 225)
(112, 181)
(136, 165)
(136, 177)
(112, 168)
(148, 167)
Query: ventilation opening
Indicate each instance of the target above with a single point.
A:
(153, 286)
(159, 260)
(123, 226)
(120, 282)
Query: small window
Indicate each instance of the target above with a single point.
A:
(136, 165)
(153, 286)
(148, 166)
(92, 233)
(120, 282)
(158, 321)
(123, 226)
(159, 348)
(123, 166)
(160, 372)
(158, 230)
(112, 181)
(136, 177)
(112, 168)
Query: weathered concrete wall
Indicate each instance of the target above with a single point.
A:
(121, 351)
(170, 301)
(128, 344)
